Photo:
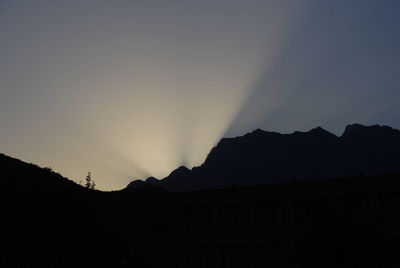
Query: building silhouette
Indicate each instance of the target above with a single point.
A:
(350, 222)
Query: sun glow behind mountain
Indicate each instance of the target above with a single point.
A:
(130, 91)
(172, 104)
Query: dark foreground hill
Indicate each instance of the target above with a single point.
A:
(50, 221)
(263, 157)
(23, 180)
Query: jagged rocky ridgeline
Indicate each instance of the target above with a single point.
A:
(263, 157)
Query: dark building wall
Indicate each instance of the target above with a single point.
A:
(349, 222)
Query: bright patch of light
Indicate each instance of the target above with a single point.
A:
(127, 95)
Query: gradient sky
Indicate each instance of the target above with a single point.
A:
(129, 89)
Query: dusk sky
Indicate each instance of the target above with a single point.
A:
(131, 89)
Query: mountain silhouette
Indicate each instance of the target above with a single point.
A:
(263, 157)
(21, 179)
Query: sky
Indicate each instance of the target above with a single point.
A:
(132, 89)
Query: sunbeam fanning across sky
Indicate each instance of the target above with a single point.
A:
(339, 65)
(131, 89)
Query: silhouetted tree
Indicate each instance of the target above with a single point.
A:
(89, 182)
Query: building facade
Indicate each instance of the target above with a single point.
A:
(328, 223)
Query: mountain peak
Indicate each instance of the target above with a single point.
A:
(358, 129)
(318, 130)
(151, 180)
(179, 171)
(139, 184)
(353, 129)
(258, 131)
(321, 132)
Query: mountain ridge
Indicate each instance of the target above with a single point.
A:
(262, 157)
